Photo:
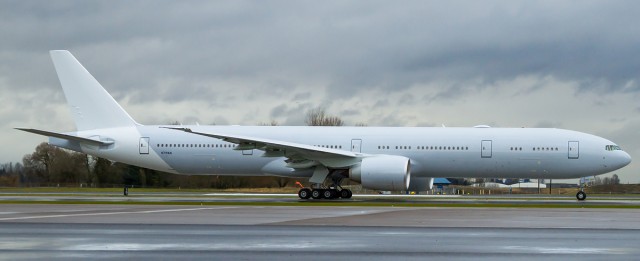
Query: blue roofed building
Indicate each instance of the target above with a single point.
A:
(441, 181)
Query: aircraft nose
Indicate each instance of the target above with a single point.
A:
(626, 159)
(621, 160)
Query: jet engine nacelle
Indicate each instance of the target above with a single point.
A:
(384, 172)
(420, 184)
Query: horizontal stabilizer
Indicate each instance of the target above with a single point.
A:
(68, 137)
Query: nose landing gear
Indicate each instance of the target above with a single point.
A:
(581, 195)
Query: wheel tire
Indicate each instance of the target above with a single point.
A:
(329, 194)
(304, 193)
(316, 194)
(581, 195)
(345, 193)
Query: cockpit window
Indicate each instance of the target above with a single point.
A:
(612, 147)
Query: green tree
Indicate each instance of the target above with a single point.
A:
(50, 164)
(106, 173)
(615, 180)
(37, 164)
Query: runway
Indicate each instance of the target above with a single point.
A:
(290, 199)
(62, 232)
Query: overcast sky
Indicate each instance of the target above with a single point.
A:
(561, 64)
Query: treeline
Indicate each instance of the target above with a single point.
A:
(613, 180)
(52, 166)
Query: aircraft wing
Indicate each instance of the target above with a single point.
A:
(300, 155)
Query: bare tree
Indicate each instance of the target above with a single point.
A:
(318, 117)
(597, 181)
(272, 123)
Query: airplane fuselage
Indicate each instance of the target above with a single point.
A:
(434, 152)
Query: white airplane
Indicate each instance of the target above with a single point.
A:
(381, 158)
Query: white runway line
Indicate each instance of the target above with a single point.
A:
(113, 213)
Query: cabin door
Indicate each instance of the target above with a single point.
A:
(486, 151)
(144, 145)
(574, 150)
(356, 145)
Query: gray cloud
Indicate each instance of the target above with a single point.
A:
(548, 124)
(349, 113)
(346, 46)
(279, 111)
(301, 96)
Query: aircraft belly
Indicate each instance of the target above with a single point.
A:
(216, 164)
(490, 168)
(278, 167)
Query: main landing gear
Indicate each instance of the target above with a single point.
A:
(329, 193)
(319, 191)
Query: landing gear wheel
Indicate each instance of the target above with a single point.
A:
(345, 193)
(304, 193)
(330, 194)
(316, 194)
(581, 195)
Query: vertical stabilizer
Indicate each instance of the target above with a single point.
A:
(91, 105)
